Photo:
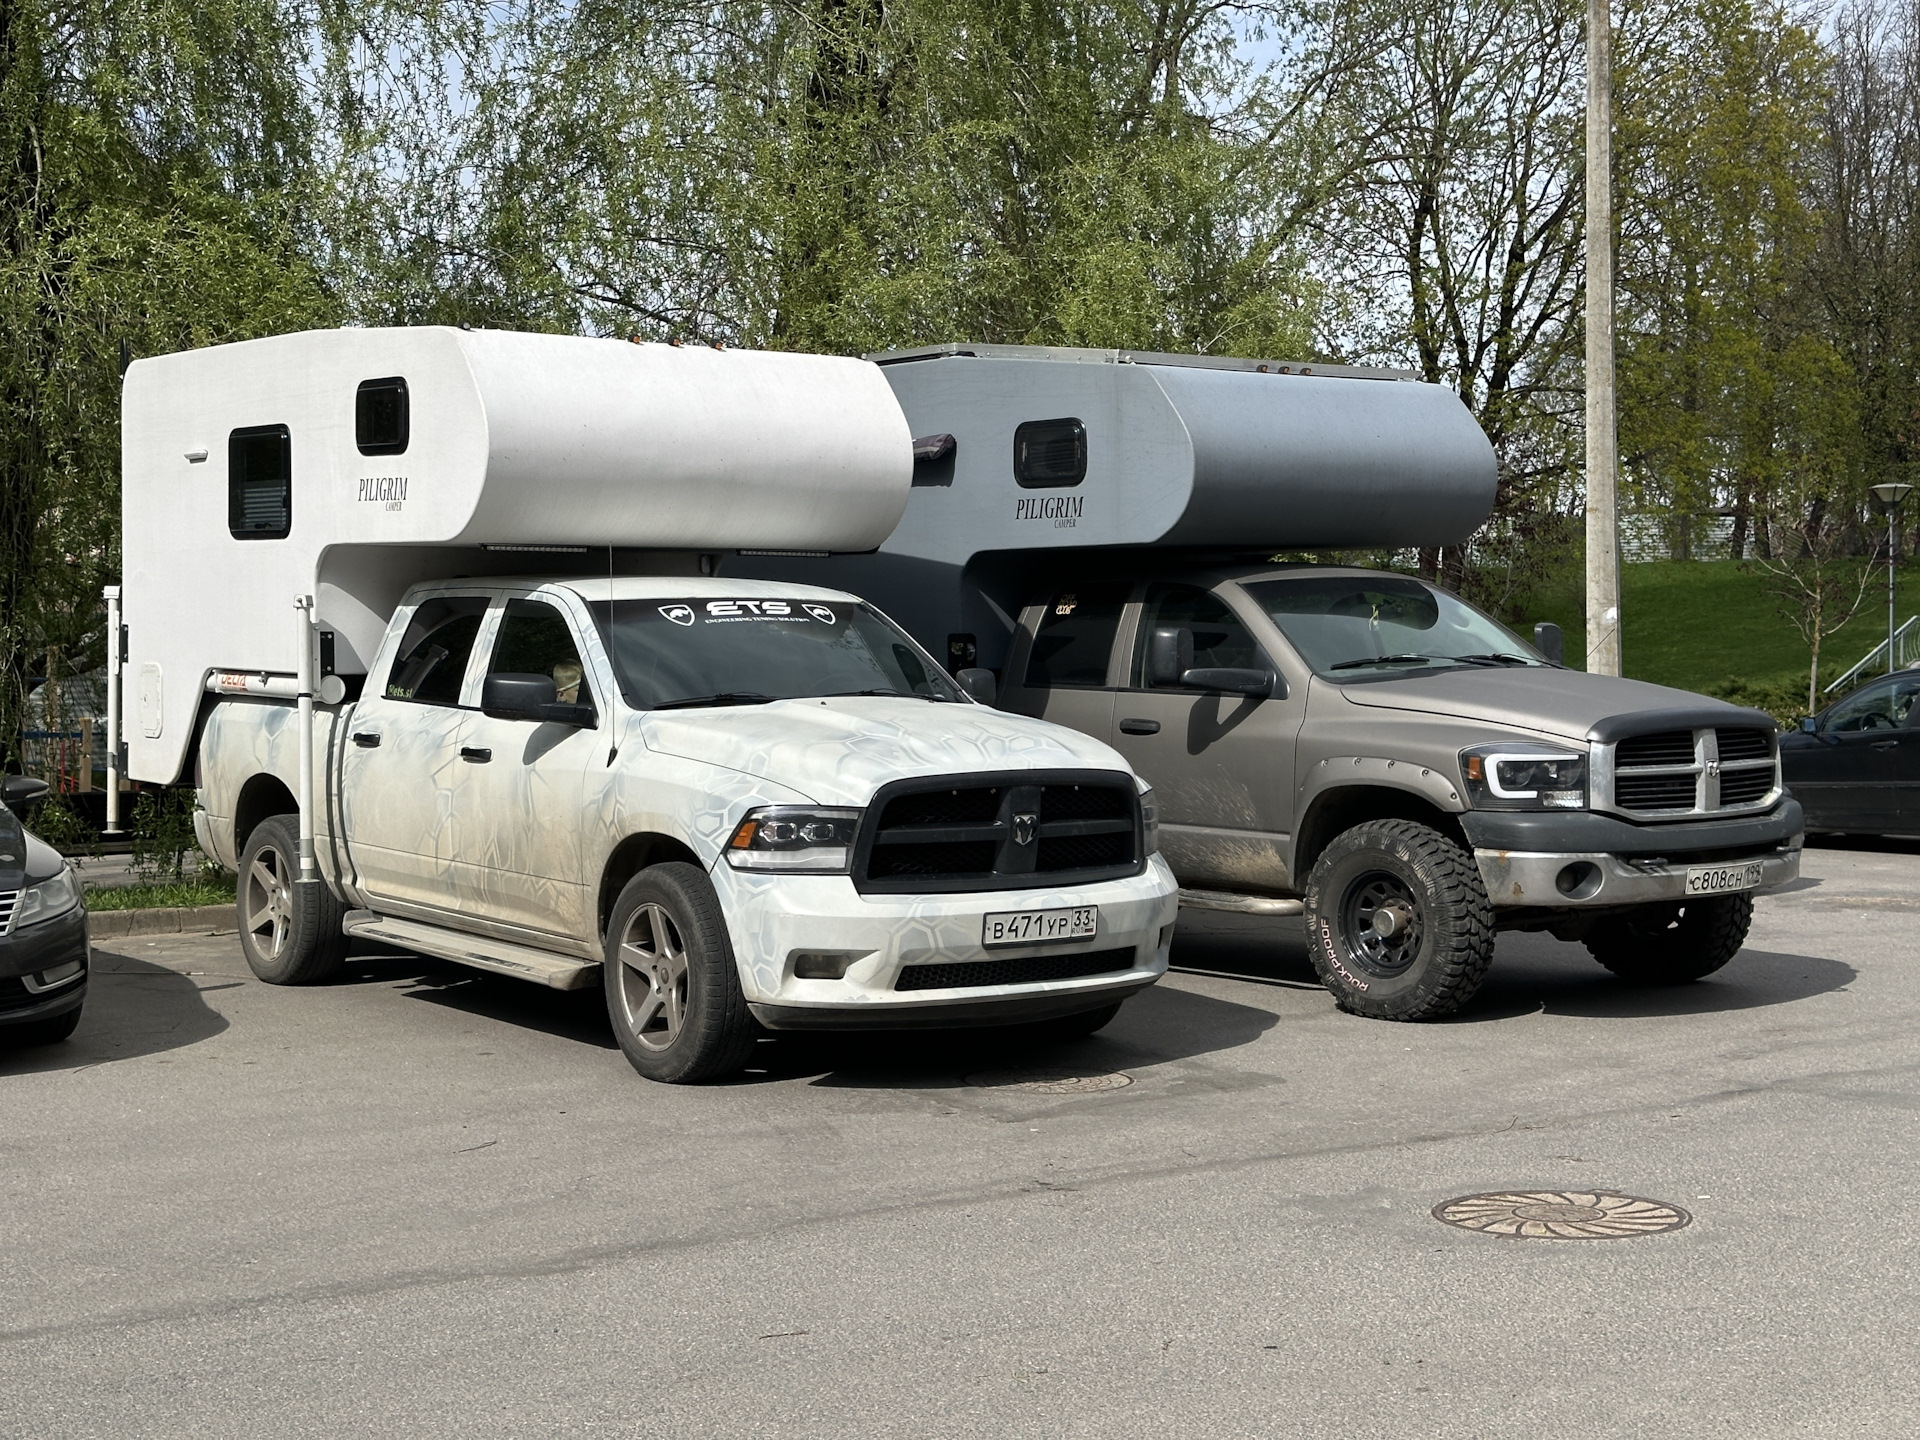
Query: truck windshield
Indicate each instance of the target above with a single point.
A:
(1369, 627)
(673, 654)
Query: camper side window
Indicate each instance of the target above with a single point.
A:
(1075, 637)
(432, 660)
(260, 483)
(1050, 454)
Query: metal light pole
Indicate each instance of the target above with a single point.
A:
(1603, 525)
(1890, 494)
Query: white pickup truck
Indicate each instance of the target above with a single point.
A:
(736, 803)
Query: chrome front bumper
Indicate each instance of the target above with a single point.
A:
(1560, 881)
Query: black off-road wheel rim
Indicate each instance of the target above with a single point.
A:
(1382, 924)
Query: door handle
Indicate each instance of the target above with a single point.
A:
(366, 739)
(475, 754)
(1139, 727)
(1886, 745)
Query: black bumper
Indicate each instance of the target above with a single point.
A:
(31, 949)
(950, 1015)
(1586, 832)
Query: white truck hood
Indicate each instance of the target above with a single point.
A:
(838, 751)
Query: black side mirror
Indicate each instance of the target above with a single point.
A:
(1233, 680)
(1810, 724)
(978, 683)
(1169, 656)
(1548, 640)
(531, 697)
(18, 789)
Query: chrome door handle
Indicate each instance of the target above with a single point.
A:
(366, 739)
(1885, 745)
(475, 754)
(1139, 727)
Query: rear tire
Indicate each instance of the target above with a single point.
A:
(1674, 943)
(290, 933)
(43, 1032)
(1398, 922)
(673, 990)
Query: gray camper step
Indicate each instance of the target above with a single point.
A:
(503, 957)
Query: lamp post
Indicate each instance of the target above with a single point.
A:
(1890, 494)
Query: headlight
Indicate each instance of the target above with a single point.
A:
(1516, 778)
(795, 837)
(48, 900)
(1149, 822)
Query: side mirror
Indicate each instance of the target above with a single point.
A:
(978, 683)
(1548, 640)
(1233, 681)
(18, 789)
(1810, 724)
(518, 697)
(1169, 656)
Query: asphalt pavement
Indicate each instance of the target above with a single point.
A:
(429, 1202)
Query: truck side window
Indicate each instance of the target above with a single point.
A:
(535, 640)
(260, 482)
(1076, 637)
(433, 653)
(1219, 637)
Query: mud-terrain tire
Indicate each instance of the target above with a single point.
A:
(42, 1032)
(1430, 953)
(673, 990)
(1673, 943)
(290, 933)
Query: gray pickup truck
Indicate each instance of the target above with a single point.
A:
(1375, 753)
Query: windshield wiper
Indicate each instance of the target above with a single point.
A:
(1498, 657)
(896, 694)
(1388, 660)
(725, 697)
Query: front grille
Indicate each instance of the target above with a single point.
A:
(9, 902)
(1027, 970)
(1009, 831)
(1671, 773)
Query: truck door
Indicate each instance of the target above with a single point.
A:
(520, 796)
(402, 759)
(1221, 765)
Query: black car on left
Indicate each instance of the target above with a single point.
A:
(43, 930)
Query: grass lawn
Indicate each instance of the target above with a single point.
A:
(185, 893)
(1705, 625)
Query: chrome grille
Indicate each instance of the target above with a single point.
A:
(9, 902)
(1673, 773)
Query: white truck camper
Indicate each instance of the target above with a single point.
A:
(433, 618)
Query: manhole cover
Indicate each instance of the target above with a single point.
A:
(1049, 1082)
(1561, 1214)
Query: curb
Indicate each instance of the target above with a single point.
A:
(194, 920)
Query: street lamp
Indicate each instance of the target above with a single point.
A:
(1890, 494)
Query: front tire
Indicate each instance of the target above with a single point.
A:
(1398, 922)
(673, 991)
(1674, 943)
(289, 936)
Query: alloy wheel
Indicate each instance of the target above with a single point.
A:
(267, 902)
(1383, 923)
(653, 977)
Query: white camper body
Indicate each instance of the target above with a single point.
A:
(1168, 452)
(719, 799)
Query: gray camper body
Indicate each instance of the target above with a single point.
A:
(1351, 746)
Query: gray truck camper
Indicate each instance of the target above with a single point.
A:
(1024, 449)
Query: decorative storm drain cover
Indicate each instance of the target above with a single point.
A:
(1049, 1082)
(1561, 1215)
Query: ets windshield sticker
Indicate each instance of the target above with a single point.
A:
(688, 613)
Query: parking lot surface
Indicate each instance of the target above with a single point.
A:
(429, 1202)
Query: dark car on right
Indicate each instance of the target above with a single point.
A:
(1855, 767)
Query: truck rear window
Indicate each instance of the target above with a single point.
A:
(1076, 637)
(433, 653)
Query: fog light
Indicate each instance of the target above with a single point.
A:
(1578, 880)
(824, 964)
(52, 979)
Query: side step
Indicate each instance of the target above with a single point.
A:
(503, 957)
(1241, 904)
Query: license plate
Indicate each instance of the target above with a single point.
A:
(1722, 879)
(1034, 927)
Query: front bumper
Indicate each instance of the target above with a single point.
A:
(29, 952)
(776, 920)
(1542, 879)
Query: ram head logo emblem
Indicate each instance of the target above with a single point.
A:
(1023, 828)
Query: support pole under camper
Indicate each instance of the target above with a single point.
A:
(112, 593)
(303, 607)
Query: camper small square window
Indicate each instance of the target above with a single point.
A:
(260, 483)
(1050, 454)
(380, 418)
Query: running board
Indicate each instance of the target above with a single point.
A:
(1243, 904)
(503, 957)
